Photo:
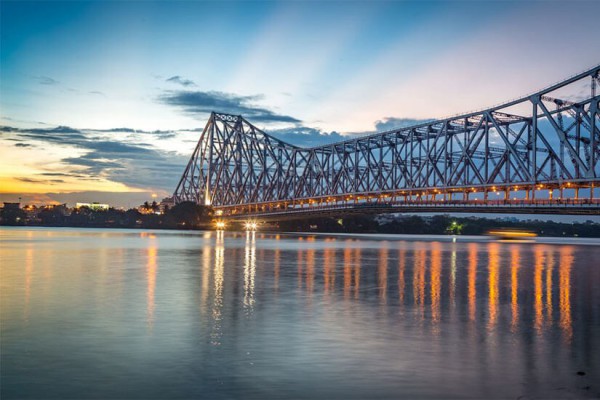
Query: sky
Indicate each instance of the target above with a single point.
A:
(105, 100)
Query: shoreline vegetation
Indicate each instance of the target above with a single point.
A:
(191, 216)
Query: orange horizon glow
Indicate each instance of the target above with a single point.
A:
(11, 185)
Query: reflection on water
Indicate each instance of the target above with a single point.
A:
(539, 265)
(493, 283)
(566, 260)
(162, 314)
(215, 335)
(151, 271)
(436, 271)
(249, 271)
(472, 279)
(514, 286)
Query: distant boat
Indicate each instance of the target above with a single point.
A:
(511, 234)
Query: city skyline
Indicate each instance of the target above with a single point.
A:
(109, 98)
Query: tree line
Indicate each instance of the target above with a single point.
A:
(437, 225)
(189, 215)
(185, 215)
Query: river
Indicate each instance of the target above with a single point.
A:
(100, 313)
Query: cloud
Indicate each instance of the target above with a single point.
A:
(97, 93)
(59, 135)
(157, 133)
(311, 137)
(33, 180)
(391, 123)
(181, 81)
(23, 145)
(106, 155)
(196, 102)
(71, 133)
(61, 174)
(46, 80)
(307, 137)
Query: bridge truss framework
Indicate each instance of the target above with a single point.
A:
(535, 152)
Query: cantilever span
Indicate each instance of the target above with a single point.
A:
(538, 153)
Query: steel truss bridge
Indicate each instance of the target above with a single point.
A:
(535, 154)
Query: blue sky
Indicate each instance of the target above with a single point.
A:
(310, 70)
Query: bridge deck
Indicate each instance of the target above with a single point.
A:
(563, 206)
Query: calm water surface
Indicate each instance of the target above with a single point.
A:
(151, 314)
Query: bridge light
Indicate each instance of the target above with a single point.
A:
(251, 225)
(219, 212)
(220, 225)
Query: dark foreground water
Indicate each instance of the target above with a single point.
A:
(147, 314)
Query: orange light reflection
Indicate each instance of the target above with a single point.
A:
(566, 262)
(401, 279)
(472, 278)
(436, 282)
(540, 258)
(382, 273)
(515, 260)
(549, 269)
(493, 283)
(151, 271)
(329, 269)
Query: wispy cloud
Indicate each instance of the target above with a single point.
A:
(391, 123)
(311, 137)
(46, 181)
(158, 134)
(306, 137)
(197, 102)
(46, 80)
(181, 81)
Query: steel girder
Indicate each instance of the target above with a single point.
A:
(235, 163)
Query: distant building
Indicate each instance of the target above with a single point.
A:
(166, 203)
(93, 206)
(12, 206)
